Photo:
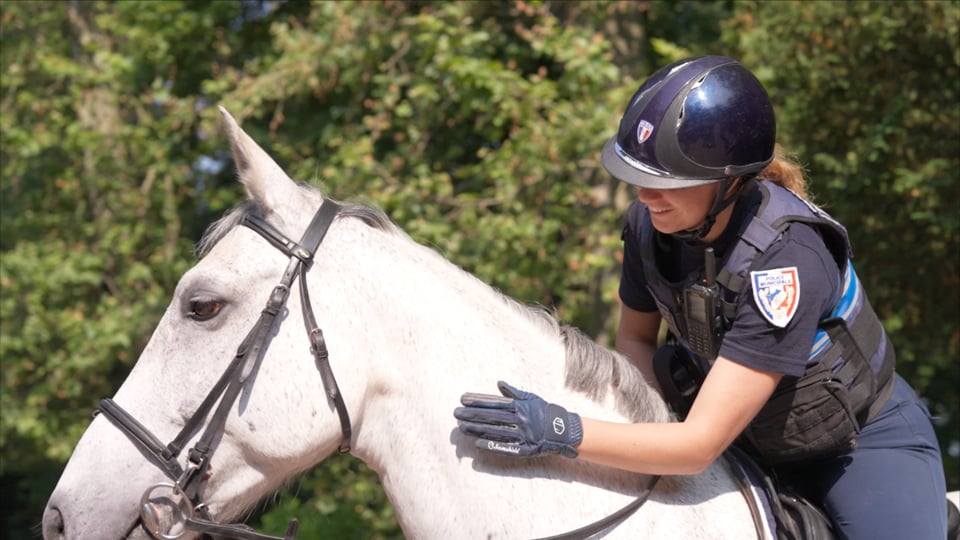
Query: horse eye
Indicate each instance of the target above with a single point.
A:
(202, 310)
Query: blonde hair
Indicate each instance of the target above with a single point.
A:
(787, 172)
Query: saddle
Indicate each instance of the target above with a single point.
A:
(953, 521)
(793, 516)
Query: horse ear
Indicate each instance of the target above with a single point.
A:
(263, 179)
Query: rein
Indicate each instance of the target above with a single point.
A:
(165, 507)
(611, 521)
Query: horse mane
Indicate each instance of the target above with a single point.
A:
(593, 369)
(590, 368)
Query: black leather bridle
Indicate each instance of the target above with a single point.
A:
(168, 511)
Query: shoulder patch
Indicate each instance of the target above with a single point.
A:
(777, 294)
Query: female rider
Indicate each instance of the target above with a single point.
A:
(757, 289)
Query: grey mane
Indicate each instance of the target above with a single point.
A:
(590, 368)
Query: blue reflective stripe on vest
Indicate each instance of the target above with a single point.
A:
(849, 294)
(852, 293)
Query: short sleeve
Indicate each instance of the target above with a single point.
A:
(753, 339)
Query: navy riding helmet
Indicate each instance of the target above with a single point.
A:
(697, 121)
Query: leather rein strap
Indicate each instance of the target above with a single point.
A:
(228, 387)
(611, 521)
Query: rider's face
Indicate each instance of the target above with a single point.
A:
(675, 210)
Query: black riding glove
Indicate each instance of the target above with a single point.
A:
(519, 424)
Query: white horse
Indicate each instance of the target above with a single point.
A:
(407, 332)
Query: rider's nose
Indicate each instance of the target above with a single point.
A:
(646, 195)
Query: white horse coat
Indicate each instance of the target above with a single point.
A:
(408, 332)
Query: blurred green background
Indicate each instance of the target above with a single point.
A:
(475, 125)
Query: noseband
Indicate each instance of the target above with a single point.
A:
(168, 511)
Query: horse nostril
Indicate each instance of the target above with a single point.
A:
(53, 526)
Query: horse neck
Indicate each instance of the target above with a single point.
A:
(433, 332)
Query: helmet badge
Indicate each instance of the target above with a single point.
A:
(644, 130)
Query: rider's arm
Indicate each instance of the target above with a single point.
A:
(730, 398)
(637, 339)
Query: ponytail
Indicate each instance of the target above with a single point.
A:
(785, 171)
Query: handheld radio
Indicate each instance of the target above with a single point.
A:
(701, 301)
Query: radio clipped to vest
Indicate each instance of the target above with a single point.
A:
(701, 311)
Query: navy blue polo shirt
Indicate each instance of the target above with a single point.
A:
(752, 340)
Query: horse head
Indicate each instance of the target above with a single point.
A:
(277, 424)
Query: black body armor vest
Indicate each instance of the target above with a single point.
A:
(849, 372)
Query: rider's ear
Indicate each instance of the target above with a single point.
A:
(264, 180)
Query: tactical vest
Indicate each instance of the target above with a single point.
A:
(849, 373)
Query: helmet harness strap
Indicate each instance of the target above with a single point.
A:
(721, 202)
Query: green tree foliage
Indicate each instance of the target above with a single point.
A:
(870, 102)
(101, 204)
(457, 120)
(475, 125)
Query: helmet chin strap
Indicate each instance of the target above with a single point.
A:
(721, 202)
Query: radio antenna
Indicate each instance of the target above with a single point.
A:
(710, 266)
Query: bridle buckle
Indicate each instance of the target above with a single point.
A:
(165, 516)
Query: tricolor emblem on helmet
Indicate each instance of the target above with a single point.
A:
(697, 121)
(644, 130)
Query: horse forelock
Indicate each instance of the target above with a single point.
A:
(217, 230)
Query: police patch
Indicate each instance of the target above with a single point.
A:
(777, 294)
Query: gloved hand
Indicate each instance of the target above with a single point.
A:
(519, 424)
